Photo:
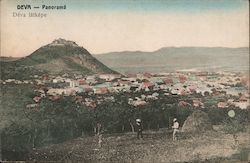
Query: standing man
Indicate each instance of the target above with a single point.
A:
(139, 128)
(176, 128)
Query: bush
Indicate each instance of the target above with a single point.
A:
(235, 124)
(217, 116)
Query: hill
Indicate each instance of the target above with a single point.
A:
(178, 58)
(60, 56)
(156, 146)
(8, 59)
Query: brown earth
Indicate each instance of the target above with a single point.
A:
(154, 147)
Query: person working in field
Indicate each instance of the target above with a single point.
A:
(139, 128)
(176, 128)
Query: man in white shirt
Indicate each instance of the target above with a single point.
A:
(139, 128)
(176, 128)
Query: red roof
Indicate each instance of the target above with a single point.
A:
(148, 75)
(169, 81)
(104, 90)
(82, 82)
(183, 104)
(183, 92)
(148, 84)
(182, 78)
(222, 105)
(92, 104)
(243, 98)
(55, 98)
(88, 89)
(78, 97)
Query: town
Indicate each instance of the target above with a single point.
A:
(140, 89)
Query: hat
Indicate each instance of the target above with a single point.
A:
(174, 119)
(138, 120)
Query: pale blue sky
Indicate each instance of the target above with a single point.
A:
(117, 25)
(156, 5)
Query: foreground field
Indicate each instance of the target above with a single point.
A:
(213, 146)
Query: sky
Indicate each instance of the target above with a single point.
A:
(103, 26)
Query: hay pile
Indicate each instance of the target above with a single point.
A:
(197, 122)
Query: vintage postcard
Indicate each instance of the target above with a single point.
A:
(124, 81)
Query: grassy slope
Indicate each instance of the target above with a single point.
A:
(46, 54)
(155, 147)
(54, 60)
(14, 70)
(13, 101)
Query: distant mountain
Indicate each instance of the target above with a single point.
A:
(8, 59)
(60, 56)
(178, 58)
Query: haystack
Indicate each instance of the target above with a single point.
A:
(198, 121)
